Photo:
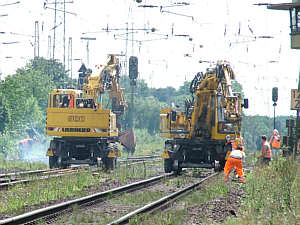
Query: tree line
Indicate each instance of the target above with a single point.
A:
(24, 99)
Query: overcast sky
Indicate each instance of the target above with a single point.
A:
(225, 30)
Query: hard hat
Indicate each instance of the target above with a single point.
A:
(275, 131)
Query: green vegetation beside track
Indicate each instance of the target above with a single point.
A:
(273, 195)
(40, 193)
(13, 165)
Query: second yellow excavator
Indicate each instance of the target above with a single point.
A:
(197, 134)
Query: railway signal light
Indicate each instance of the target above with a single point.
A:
(275, 94)
(133, 67)
(275, 99)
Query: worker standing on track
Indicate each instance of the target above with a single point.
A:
(266, 151)
(275, 142)
(235, 160)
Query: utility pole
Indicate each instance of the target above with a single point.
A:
(70, 58)
(55, 24)
(49, 47)
(64, 33)
(54, 29)
(88, 39)
(133, 75)
(36, 40)
(126, 51)
(125, 36)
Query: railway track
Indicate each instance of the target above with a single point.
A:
(160, 203)
(53, 211)
(24, 177)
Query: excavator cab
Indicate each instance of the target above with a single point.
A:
(63, 98)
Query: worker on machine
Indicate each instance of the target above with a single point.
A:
(235, 160)
(71, 101)
(275, 142)
(266, 151)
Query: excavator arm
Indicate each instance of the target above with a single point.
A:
(107, 78)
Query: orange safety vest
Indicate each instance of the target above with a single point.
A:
(71, 103)
(274, 142)
(266, 150)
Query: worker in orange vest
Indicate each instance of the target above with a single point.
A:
(275, 142)
(71, 101)
(266, 150)
(235, 160)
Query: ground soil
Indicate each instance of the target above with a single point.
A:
(218, 209)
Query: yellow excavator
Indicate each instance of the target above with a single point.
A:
(85, 132)
(198, 134)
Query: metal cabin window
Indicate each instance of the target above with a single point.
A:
(220, 110)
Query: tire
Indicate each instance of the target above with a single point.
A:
(110, 163)
(53, 162)
(222, 165)
(219, 166)
(168, 165)
(178, 171)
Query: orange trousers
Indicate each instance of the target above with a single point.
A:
(234, 163)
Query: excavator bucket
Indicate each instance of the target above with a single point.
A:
(128, 140)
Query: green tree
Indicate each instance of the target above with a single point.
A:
(53, 69)
(25, 97)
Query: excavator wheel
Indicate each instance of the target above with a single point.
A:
(178, 171)
(53, 162)
(110, 163)
(168, 165)
(219, 166)
(222, 164)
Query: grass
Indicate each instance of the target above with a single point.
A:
(18, 197)
(137, 198)
(273, 195)
(140, 170)
(170, 218)
(148, 143)
(21, 165)
(15, 200)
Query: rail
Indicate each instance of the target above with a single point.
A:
(51, 210)
(160, 202)
(11, 179)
